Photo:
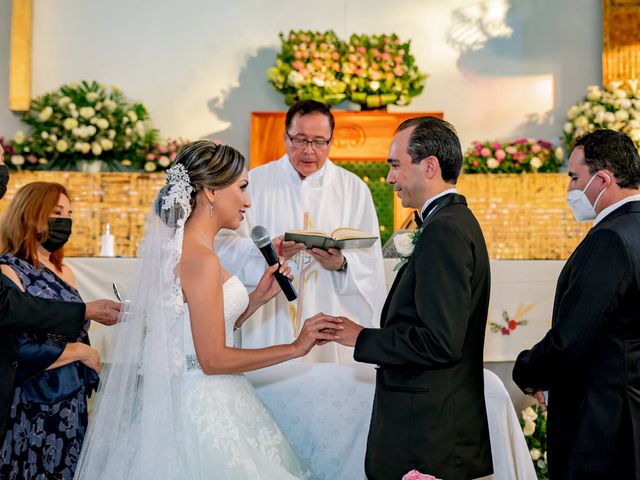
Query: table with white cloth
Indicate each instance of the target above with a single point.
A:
(324, 409)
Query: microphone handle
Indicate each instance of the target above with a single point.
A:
(285, 284)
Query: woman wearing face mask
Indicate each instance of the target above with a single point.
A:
(54, 377)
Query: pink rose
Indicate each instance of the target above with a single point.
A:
(399, 71)
(297, 55)
(500, 155)
(151, 157)
(496, 146)
(335, 55)
(163, 149)
(511, 149)
(416, 475)
(385, 56)
(536, 148)
(398, 60)
(361, 50)
(485, 152)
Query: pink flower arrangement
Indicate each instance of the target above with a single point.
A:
(379, 71)
(416, 475)
(308, 68)
(372, 71)
(518, 156)
(159, 156)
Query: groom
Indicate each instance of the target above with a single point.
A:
(429, 412)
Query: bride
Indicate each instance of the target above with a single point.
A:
(174, 403)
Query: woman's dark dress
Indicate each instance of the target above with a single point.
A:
(48, 417)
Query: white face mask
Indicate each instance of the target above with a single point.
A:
(580, 204)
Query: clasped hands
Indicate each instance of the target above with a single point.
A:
(330, 259)
(322, 328)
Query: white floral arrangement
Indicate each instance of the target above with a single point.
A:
(616, 107)
(534, 426)
(86, 121)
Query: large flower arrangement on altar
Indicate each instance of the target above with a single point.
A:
(308, 68)
(517, 156)
(379, 71)
(616, 107)
(370, 70)
(82, 122)
(534, 426)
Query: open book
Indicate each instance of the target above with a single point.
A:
(340, 238)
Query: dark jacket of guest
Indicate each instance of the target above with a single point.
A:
(429, 412)
(590, 359)
(20, 312)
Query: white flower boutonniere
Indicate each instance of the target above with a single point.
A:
(405, 244)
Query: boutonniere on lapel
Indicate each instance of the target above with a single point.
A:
(405, 243)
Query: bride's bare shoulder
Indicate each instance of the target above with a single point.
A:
(200, 262)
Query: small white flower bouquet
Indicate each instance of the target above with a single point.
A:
(405, 244)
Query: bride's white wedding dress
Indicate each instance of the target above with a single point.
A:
(227, 432)
(157, 415)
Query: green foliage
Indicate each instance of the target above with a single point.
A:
(374, 174)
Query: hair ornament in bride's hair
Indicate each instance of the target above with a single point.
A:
(173, 203)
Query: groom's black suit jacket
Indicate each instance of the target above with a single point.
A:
(429, 412)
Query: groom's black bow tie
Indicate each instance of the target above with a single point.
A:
(417, 218)
(420, 219)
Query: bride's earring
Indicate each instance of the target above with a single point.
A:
(211, 209)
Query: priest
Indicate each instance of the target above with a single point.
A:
(304, 190)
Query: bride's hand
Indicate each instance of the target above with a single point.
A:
(268, 286)
(319, 328)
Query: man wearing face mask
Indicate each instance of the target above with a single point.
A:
(20, 312)
(590, 359)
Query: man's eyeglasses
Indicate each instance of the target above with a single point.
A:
(319, 144)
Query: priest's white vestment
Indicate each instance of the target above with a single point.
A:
(330, 198)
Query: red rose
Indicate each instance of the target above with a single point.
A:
(512, 324)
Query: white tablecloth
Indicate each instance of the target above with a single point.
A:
(325, 409)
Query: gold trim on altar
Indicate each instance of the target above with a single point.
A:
(523, 217)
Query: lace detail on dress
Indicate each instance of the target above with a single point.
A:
(227, 427)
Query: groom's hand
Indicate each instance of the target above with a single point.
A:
(349, 334)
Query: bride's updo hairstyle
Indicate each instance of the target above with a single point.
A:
(207, 165)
